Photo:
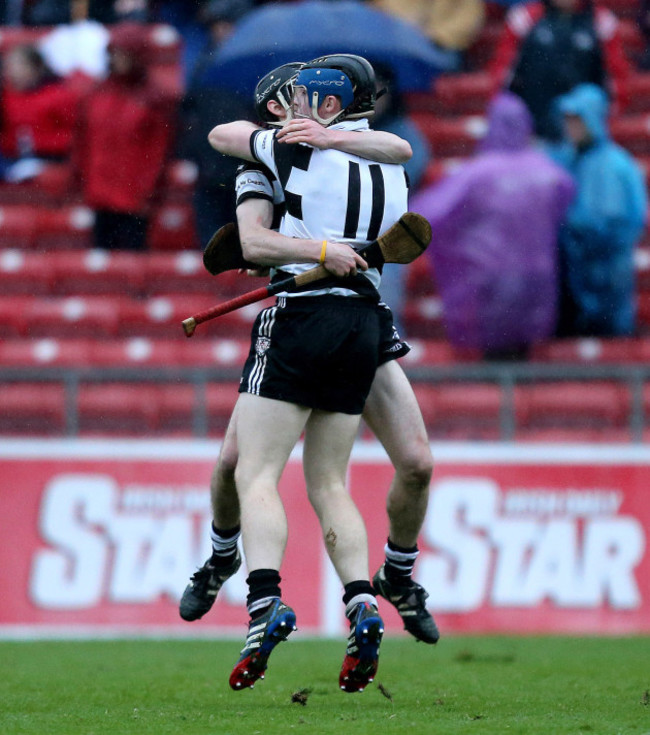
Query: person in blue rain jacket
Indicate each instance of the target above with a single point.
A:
(603, 223)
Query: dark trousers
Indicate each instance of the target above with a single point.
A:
(119, 231)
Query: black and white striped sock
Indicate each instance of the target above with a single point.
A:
(224, 545)
(399, 563)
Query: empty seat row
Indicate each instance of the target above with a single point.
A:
(56, 185)
(96, 272)
(114, 409)
(211, 352)
(457, 136)
(111, 316)
(33, 226)
(586, 410)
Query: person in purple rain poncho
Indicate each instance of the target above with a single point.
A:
(495, 224)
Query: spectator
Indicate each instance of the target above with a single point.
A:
(549, 46)
(390, 115)
(603, 224)
(78, 46)
(495, 224)
(204, 106)
(38, 113)
(124, 136)
(451, 25)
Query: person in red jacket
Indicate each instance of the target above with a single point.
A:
(37, 109)
(548, 47)
(125, 131)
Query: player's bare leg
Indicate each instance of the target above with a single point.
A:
(329, 438)
(393, 414)
(328, 443)
(223, 491)
(201, 592)
(267, 431)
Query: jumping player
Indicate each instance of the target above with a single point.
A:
(391, 410)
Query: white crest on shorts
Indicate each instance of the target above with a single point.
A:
(262, 345)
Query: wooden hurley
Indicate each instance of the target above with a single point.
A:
(223, 252)
(402, 243)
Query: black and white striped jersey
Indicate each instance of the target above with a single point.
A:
(331, 195)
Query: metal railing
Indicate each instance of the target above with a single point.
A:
(505, 375)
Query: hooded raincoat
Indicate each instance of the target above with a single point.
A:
(495, 222)
(604, 223)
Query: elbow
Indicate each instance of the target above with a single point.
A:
(406, 152)
(217, 139)
(251, 249)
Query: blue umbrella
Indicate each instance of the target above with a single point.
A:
(278, 33)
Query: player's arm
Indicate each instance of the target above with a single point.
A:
(376, 145)
(266, 247)
(233, 139)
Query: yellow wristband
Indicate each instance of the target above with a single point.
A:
(323, 250)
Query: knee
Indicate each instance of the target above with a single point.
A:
(416, 468)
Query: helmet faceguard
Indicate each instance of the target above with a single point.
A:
(356, 70)
(276, 86)
(319, 83)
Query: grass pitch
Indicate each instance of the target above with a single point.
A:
(479, 684)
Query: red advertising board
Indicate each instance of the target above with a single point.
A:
(100, 538)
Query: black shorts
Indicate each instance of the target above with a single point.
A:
(315, 351)
(391, 345)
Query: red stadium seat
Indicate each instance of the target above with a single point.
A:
(586, 406)
(423, 317)
(160, 316)
(221, 399)
(32, 408)
(177, 405)
(179, 180)
(11, 36)
(437, 352)
(74, 316)
(179, 273)
(179, 402)
(590, 350)
(464, 411)
(64, 228)
(25, 273)
(81, 272)
(643, 313)
(12, 315)
(631, 131)
(463, 94)
(46, 352)
(224, 354)
(436, 170)
(18, 225)
(118, 408)
(642, 255)
(451, 136)
(173, 227)
(419, 278)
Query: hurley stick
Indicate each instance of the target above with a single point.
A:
(401, 243)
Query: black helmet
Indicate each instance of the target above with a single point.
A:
(276, 85)
(362, 76)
